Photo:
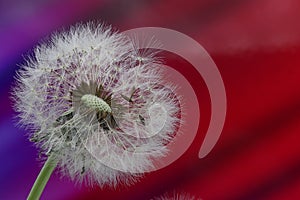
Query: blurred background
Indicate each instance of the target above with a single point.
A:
(256, 46)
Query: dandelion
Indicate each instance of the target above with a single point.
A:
(176, 196)
(96, 106)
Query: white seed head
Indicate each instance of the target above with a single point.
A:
(89, 98)
(176, 196)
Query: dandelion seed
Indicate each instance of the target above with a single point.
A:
(92, 102)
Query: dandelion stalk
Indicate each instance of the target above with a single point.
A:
(42, 179)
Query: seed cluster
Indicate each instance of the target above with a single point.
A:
(96, 103)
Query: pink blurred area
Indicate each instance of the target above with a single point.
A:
(256, 46)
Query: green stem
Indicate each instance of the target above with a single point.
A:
(42, 179)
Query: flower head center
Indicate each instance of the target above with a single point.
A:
(96, 103)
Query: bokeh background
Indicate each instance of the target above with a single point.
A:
(256, 46)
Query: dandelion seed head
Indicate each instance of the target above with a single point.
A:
(176, 196)
(102, 109)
